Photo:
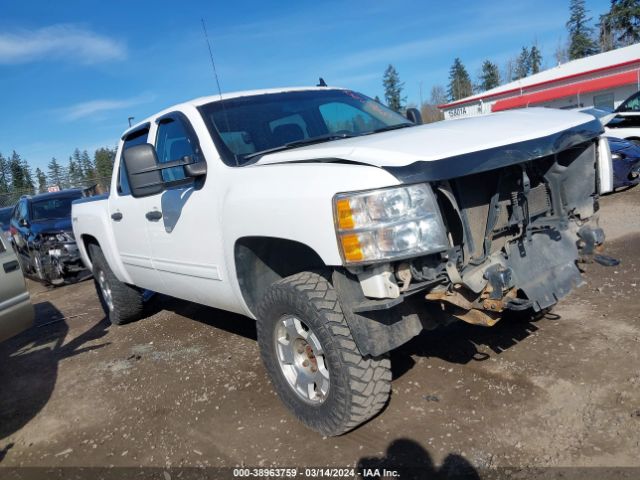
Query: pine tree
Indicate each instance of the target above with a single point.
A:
(18, 182)
(28, 178)
(42, 180)
(55, 173)
(74, 173)
(581, 43)
(489, 77)
(103, 160)
(5, 176)
(459, 82)
(535, 59)
(522, 64)
(621, 25)
(393, 89)
(88, 169)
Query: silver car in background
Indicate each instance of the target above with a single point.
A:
(16, 310)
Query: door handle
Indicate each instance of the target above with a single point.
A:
(116, 216)
(154, 215)
(11, 266)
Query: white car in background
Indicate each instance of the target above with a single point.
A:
(625, 120)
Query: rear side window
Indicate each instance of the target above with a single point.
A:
(134, 138)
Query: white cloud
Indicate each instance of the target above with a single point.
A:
(94, 107)
(62, 41)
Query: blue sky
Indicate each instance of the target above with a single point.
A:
(71, 72)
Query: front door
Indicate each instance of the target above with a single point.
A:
(185, 243)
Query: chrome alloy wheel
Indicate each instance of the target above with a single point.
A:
(301, 359)
(105, 289)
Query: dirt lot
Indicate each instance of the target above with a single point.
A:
(185, 387)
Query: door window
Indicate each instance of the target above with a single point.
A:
(22, 210)
(174, 142)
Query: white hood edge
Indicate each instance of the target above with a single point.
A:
(437, 141)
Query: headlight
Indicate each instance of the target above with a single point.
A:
(616, 156)
(388, 224)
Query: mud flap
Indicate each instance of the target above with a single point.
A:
(379, 330)
(544, 268)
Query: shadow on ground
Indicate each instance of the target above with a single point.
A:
(29, 366)
(459, 342)
(227, 321)
(408, 460)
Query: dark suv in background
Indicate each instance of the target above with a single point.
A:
(43, 237)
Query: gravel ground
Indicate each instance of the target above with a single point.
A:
(185, 387)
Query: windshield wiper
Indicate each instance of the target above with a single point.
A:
(392, 127)
(300, 143)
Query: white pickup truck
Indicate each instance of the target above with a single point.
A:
(343, 228)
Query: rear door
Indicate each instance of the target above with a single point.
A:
(16, 311)
(127, 217)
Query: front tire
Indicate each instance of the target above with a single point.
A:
(312, 359)
(121, 303)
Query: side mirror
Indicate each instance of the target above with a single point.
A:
(414, 116)
(143, 174)
(24, 222)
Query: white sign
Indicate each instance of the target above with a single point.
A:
(463, 111)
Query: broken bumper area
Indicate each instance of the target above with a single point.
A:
(59, 258)
(532, 273)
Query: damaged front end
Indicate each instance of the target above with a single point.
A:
(522, 230)
(56, 257)
(515, 236)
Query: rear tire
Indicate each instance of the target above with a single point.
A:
(300, 321)
(121, 303)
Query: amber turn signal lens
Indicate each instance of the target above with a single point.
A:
(351, 248)
(345, 217)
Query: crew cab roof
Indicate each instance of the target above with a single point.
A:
(62, 193)
(196, 102)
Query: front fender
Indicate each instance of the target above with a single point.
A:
(293, 202)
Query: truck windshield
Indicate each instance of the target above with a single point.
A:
(244, 127)
(52, 208)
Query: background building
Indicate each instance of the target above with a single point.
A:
(603, 80)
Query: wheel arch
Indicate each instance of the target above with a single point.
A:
(86, 241)
(261, 261)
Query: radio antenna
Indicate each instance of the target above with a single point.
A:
(215, 74)
(213, 64)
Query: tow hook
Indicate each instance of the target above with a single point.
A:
(590, 239)
(499, 278)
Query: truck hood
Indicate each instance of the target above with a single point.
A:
(510, 136)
